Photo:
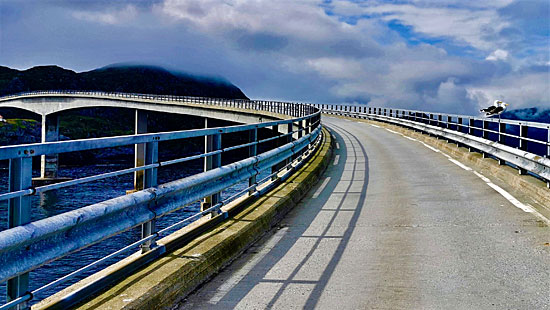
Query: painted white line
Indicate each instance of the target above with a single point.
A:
(481, 176)
(375, 126)
(321, 188)
(392, 131)
(236, 277)
(456, 162)
(431, 148)
(337, 145)
(336, 159)
(511, 198)
(412, 139)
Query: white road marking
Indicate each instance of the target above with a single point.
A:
(337, 145)
(321, 188)
(375, 126)
(481, 176)
(336, 159)
(512, 199)
(392, 131)
(431, 148)
(236, 277)
(456, 162)
(412, 139)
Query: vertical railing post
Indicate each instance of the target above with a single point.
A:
(150, 180)
(275, 167)
(471, 131)
(522, 143)
(485, 134)
(140, 127)
(252, 151)
(501, 138)
(19, 213)
(211, 143)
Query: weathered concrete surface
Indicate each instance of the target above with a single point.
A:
(391, 225)
(170, 278)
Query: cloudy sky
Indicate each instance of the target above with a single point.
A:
(437, 55)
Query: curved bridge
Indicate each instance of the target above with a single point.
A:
(413, 212)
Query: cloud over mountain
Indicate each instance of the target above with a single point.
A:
(423, 54)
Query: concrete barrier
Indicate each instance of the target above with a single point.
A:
(207, 250)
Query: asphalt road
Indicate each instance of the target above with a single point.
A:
(391, 225)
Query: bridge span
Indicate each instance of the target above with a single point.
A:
(393, 224)
(412, 213)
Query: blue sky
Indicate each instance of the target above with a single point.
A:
(438, 55)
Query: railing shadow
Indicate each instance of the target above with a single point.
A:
(283, 265)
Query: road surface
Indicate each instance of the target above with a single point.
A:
(391, 225)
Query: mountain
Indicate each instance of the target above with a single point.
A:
(117, 78)
(529, 114)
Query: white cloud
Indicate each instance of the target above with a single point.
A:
(498, 55)
(477, 27)
(109, 17)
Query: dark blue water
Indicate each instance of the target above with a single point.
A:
(74, 197)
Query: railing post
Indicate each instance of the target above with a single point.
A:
(459, 124)
(275, 167)
(50, 133)
(212, 143)
(150, 180)
(140, 127)
(252, 151)
(522, 143)
(470, 131)
(19, 213)
(485, 134)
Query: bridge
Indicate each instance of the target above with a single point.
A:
(414, 210)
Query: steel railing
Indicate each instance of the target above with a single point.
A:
(28, 245)
(524, 145)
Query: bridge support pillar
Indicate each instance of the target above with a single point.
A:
(50, 133)
(212, 143)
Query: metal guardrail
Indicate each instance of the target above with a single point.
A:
(524, 145)
(28, 245)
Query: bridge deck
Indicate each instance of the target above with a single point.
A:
(393, 225)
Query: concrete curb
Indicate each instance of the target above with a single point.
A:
(167, 280)
(528, 188)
